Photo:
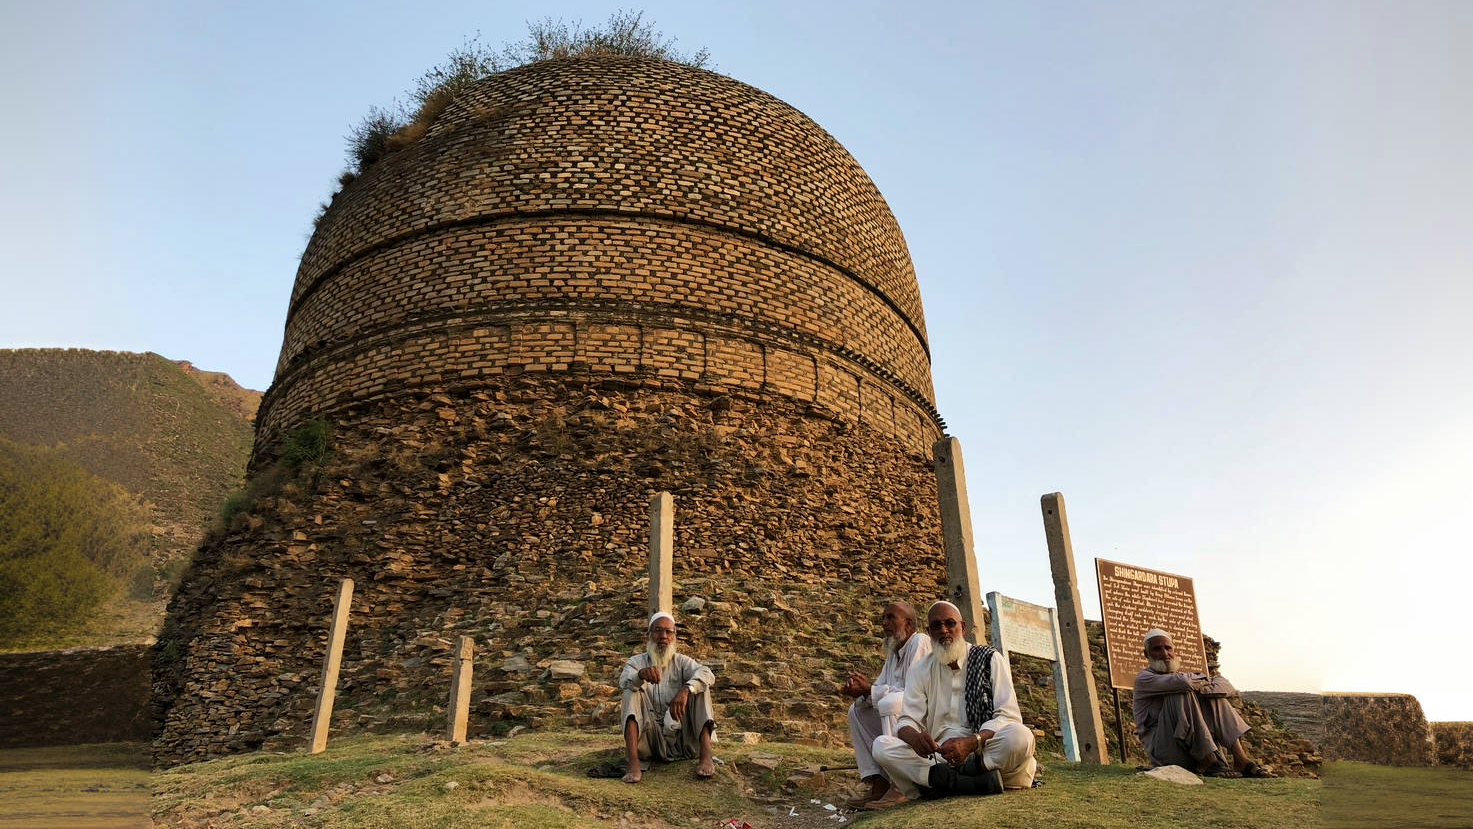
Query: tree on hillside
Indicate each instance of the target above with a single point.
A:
(384, 131)
(68, 541)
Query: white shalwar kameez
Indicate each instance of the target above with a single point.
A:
(876, 714)
(935, 702)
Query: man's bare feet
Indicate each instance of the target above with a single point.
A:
(706, 769)
(633, 775)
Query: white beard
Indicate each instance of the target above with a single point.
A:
(891, 645)
(954, 652)
(1165, 666)
(660, 658)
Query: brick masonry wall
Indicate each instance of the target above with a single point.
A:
(519, 515)
(590, 193)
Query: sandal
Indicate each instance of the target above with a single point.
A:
(1256, 771)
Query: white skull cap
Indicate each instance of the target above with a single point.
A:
(1154, 633)
(657, 617)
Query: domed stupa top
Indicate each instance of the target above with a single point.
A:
(616, 187)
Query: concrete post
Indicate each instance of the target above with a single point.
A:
(962, 587)
(662, 552)
(330, 665)
(1061, 694)
(460, 689)
(1089, 730)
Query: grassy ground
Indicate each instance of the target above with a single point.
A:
(74, 787)
(539, 780)
(1358, 794)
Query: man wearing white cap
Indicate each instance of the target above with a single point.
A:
(960, 729)
(1185, 719)
(667, 711)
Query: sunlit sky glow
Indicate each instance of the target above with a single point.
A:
(1205, 268)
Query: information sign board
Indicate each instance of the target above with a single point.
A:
(1026, 628)
(1133, 600)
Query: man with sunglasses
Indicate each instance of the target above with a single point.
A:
(960, 729)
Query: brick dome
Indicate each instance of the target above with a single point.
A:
(589, 282)
(613, 216)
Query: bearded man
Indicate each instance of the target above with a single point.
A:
(667, 712)
(960, 729)
(877, 705)
(1185, 719)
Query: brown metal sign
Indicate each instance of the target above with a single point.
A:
(1133, 600)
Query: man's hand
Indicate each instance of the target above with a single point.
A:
(650, 674)
(919, 741)
(858, 685)
(677, 705)
(956, 750)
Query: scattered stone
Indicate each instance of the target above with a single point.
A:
(764, 760)
(742, 680)
(747, 737)
(1173, 774)
(693, 604)
(565, 669)
(517, 665)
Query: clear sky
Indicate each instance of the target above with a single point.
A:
(1206, 268)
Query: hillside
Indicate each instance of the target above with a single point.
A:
(175, 436)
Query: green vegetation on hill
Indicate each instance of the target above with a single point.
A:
(68, 541)
(176, 437)
(136, 419)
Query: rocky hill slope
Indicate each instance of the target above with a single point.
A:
(175, 436)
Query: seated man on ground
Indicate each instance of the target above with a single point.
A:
(877, 705)
(960, 730)
(1185, 719)
(667, 711)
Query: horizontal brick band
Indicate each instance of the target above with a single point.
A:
(662, 344)
(636, 262)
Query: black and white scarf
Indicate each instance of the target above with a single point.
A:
(979, 686)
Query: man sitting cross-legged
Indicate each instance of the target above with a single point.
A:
(960, 730)
(667, 703)
(1185, 719)
(877, 705)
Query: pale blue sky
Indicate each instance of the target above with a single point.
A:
(1206, 268)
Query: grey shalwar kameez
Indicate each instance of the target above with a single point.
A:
(1182, 718)
(648, 702)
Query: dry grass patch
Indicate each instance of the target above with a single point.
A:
(74, 787)
(539, 779)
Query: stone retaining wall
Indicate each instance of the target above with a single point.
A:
(1386, 729)
(81, 695)
(1454, 743)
